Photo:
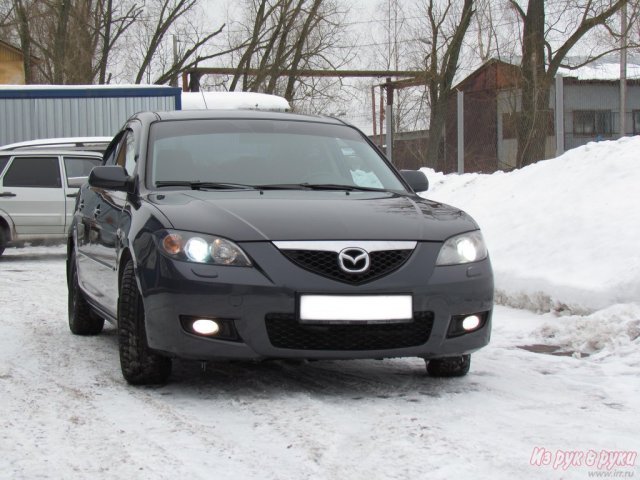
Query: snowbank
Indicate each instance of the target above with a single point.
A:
(563, 234)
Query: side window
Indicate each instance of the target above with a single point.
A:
(43, 172)
(112, 154)
(127, 153)
(79, 166)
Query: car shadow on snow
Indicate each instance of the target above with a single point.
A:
(32, 257)
(348, 379)
(352, 380)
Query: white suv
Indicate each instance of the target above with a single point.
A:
(37, 192)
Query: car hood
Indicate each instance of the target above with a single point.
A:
(311, 215)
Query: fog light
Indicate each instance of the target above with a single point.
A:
(471, 322)
(463, 324)
(205, 327)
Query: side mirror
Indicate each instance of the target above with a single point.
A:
(416, 179)
(112, 177)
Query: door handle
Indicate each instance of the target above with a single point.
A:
(72, 195)
(7, 194)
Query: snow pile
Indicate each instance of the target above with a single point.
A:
(563, 234)
(564, 237)
(612, 330)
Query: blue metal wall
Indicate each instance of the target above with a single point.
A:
(29, 113)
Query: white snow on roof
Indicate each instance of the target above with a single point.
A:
(602, 71)
(233, 100)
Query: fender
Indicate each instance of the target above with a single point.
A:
(12, 228)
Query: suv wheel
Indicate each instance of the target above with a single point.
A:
(82, 320)
(140, 365)
(449, 366)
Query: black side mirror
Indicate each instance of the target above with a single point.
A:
(112, 177)
(416, 179)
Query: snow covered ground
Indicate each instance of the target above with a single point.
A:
(563, 238)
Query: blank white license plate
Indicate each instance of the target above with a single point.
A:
(356, 308)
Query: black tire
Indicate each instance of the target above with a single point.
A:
(82, 320)
(449, 366)
(2, 239)
(140, 365)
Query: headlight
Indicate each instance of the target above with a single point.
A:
(198, 248)
(465, 248)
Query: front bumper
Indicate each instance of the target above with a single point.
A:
(250, 297)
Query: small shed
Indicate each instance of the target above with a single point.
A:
(480, 117)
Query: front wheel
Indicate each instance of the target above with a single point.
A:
(140, 365)
(449, 366)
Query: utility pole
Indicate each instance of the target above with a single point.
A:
(174, 77)
(389, 116)
(623, 70)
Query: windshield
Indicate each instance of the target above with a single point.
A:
(263, 153)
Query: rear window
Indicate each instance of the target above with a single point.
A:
(42, 172)
(80, 166)
(3, 163)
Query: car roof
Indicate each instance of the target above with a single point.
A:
(43, 152)
(234, 114)
(62, 142)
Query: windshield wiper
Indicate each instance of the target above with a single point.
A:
(335, 186)
(205, 185)
(276, 186)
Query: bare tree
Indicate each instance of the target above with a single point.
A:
(161, 18)
(397, 51)
(78, 41)
(542, 56)
(446, 29)
(71, 39)
(487, 38)
(288, 35)
(113, 20)
(25, 11)
(6, 12)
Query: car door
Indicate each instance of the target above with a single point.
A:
(101, 212)
(76, 170)
(32, 195)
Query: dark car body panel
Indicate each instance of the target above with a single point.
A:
(277, 215)
(111, 227)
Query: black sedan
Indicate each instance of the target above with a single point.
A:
(253, 235)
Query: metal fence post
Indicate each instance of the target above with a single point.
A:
(623, 72)
(559, 110)
(389, 117)
(460, 121)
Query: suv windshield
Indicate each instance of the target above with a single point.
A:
(264, 153)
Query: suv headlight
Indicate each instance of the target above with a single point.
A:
(466, 248)
(200, 248)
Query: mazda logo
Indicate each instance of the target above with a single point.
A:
(353, 260)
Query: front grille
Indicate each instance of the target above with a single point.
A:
(326, 264)
(285, 332)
